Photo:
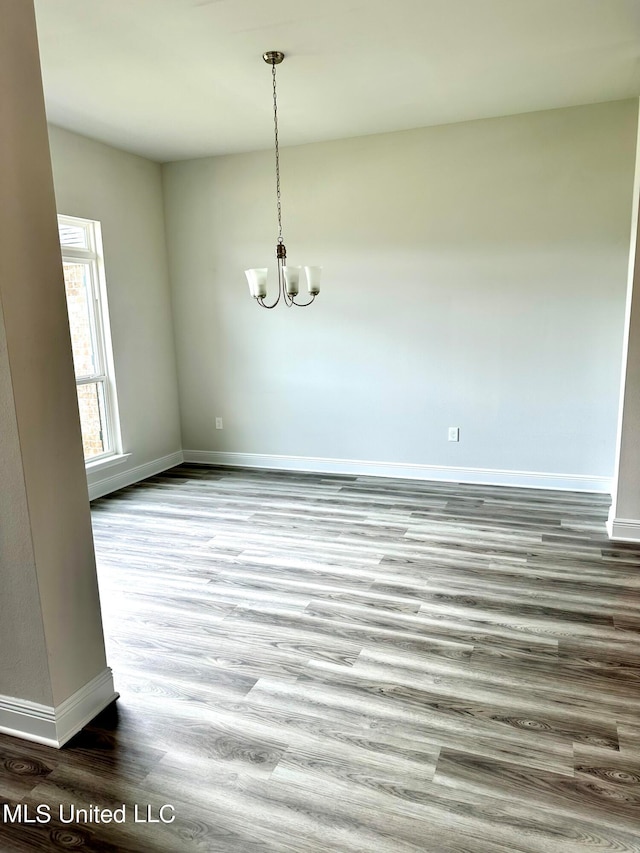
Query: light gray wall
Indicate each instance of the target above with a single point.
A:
(124, 192)
(474, 276)
(23, 662)
(47, 566)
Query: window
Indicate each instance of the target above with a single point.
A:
(81, 245)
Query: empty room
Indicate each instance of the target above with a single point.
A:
(361, 578)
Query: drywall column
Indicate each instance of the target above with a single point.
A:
(53, 673)
(624, 517)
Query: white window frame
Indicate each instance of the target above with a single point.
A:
(93, 258)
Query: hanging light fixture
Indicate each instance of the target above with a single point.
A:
(288, 277)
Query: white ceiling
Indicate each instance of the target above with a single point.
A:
(174, 79)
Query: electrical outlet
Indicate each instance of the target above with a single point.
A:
(454, 433)
(219, 423)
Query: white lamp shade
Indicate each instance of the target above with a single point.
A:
(291, 279)
(257, 281)
(313, 279)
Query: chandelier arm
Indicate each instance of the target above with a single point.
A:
(263, 304)
(260, 300)
(304, 304)
(288, 299)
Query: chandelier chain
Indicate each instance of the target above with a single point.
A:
(275, 128)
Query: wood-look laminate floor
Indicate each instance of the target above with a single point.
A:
(324, 663)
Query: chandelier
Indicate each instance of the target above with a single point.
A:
(288, 276)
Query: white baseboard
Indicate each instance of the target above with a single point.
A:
(623, 529)
(484, 476)
(55, 726)
(105, 485)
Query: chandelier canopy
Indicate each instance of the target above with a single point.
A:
(288, 276)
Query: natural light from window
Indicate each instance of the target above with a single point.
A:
(81, 244)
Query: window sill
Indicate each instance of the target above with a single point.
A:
(107, 462)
